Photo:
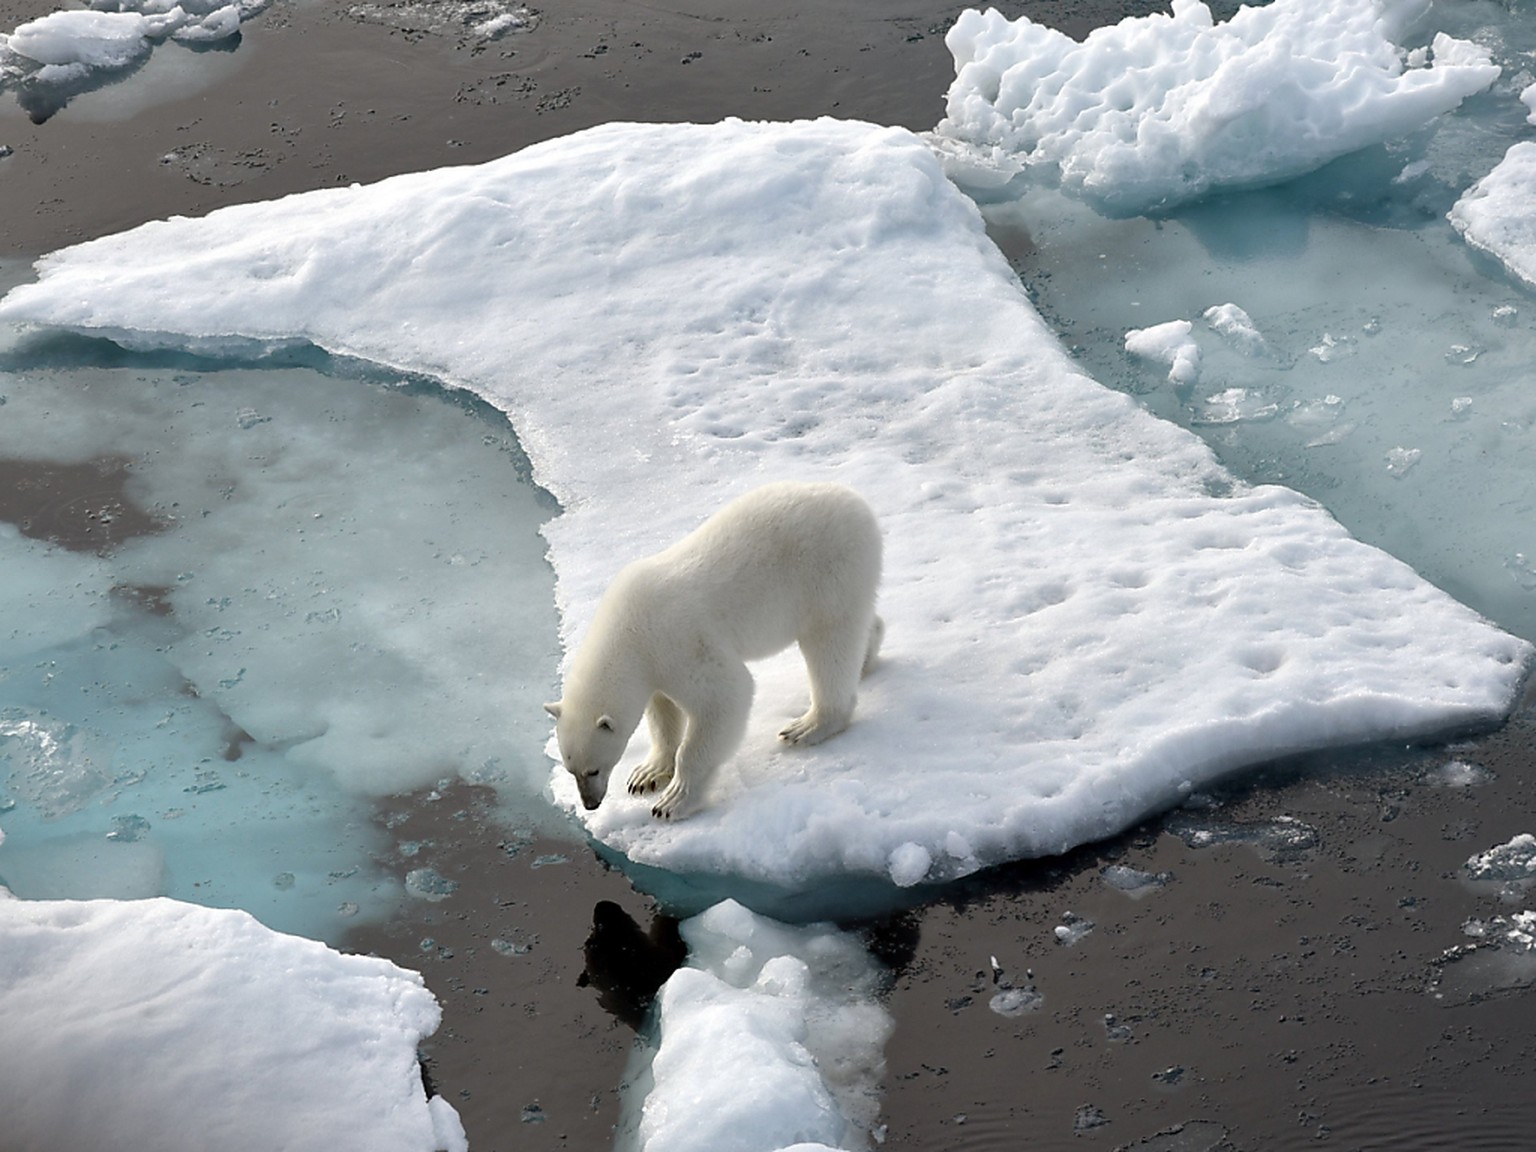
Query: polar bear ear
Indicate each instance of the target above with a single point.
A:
(553, 709)
(605, 723)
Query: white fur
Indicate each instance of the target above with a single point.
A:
(786, 563)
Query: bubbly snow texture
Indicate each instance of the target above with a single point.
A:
(771, 1038)
(157, 1024)
(1157, 110)
(1086, 615)
(1498, 214)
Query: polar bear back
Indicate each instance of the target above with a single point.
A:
(782, 561)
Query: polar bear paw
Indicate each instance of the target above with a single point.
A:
(813, 728)
(673, 803)
(649, 776)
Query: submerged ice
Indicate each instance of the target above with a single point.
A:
(204, 708)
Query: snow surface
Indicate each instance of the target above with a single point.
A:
(771, 1038)
(1087, 617)
(1156, 110)
(1497, 215)
(157, 1024)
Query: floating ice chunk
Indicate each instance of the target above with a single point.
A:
(1171, 344)
(157, 1024)
(770, 1038)
(1072, 929)
(1160, 109)
(1015, 1001)
(1237, 327)
(1134, 882)
(1515, 860)
(1497, 214)
(1400, 460)
(1461, 774)
(52, 58)
(429, 884)
(1331, 348)
(1232, 405)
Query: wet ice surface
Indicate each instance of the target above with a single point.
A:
(313, 612)
(1401, 399)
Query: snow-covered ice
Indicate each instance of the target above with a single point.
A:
(1087, 616)
(158, 1024)
(1158, 110)
(1497, 215)
(771, 1038)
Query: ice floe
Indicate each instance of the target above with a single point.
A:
(1156, 110)
(158, 1024)
(1087, 616)
(51, 58)
(1497, 215)
(771, 1038)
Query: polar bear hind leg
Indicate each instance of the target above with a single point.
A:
(835, 659)
(667, 724)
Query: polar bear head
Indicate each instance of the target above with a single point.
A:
(590, 745)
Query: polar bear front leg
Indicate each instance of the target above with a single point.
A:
(717, 712)
(666, 722)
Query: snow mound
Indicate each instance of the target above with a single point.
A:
(1497, 215)
(157, 1024)
(1087, 617)
(1156, 110)
(771, 1038)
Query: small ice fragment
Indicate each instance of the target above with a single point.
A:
(283, 881)
(1114, 1031)
(1506, 315)
(1461, 774)
(126, 829)
(1331, 347)
(1411, 172)
(1015, 1001)
(1088, 1118)
(346, 908)
(533, 1114)
(1463, 354)
(1170, 344)
(1237, 327)
(1528, 98)
(552, 858)
(248, 418)
(504, 947)
(428, 884)
(1232, 406)
(1401, 460)
(1515, 860)
(908, 864)
(1072, 929)
(1461, 406)
(1132, 881)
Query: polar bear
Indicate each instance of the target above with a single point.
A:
(786, 563)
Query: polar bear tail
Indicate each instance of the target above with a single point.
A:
(872, 649)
